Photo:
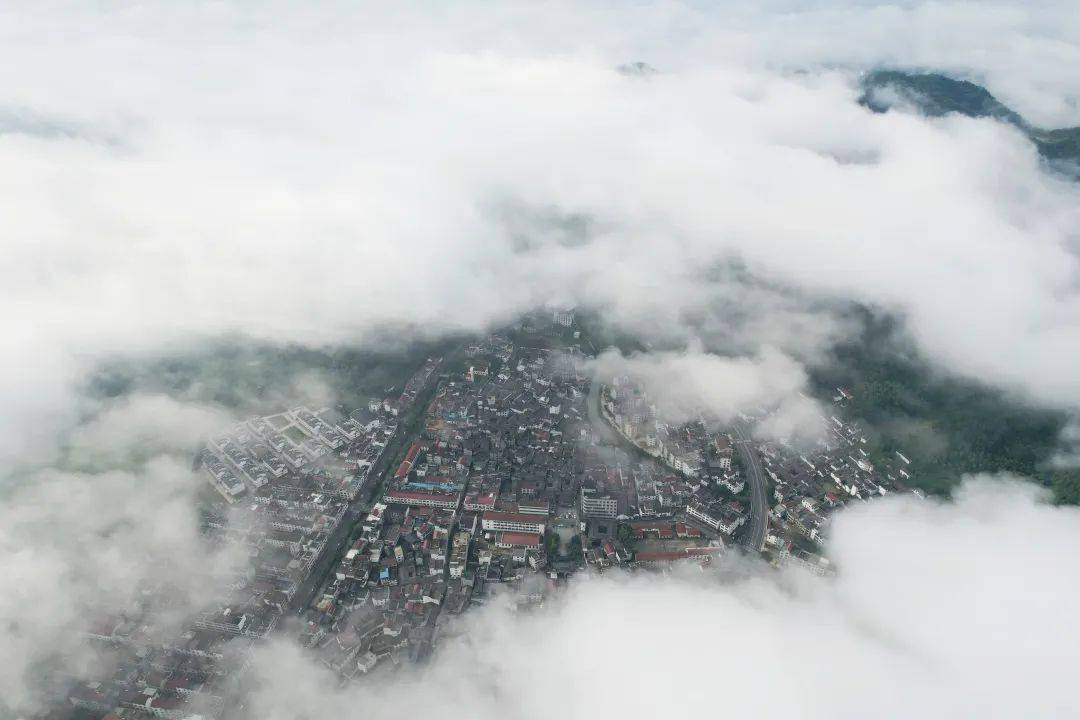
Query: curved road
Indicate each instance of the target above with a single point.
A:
(755, 477)
(593, 409)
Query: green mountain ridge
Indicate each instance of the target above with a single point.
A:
(936, 95)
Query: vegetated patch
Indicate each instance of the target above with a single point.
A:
(947, 425)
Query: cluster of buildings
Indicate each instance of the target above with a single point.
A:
(507, 485)
(807, 486)
(296, 448)
(627, 407)
(468, 504)
(703, 485)
(385, 592)
(281, 513)
(291, 484)
(149, 672)
(513, 477)
(707, 487)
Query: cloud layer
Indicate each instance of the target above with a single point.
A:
(319, 173)
(936, 610)
(308, 175)
(692, 385)
(79, 547)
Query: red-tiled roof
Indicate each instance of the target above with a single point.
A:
(519, 539)
(406, 464)
(651, 525)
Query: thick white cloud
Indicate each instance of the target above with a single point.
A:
(312, 173)
(686, 386)
(309, 174)
(141, 426)
(79, 546)
(936, 610)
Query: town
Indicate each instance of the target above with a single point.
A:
(503, 469)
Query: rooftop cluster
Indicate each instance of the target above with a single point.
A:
(502, 469)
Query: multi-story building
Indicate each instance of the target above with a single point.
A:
(724, 518)
(534, 508)
(595, 505)
(495, 521)
(416, 498)
(703, 514)
(480, 502)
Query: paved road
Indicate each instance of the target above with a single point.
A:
(357, 510)
(369, 495)
(334, 548)
(755, 477)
